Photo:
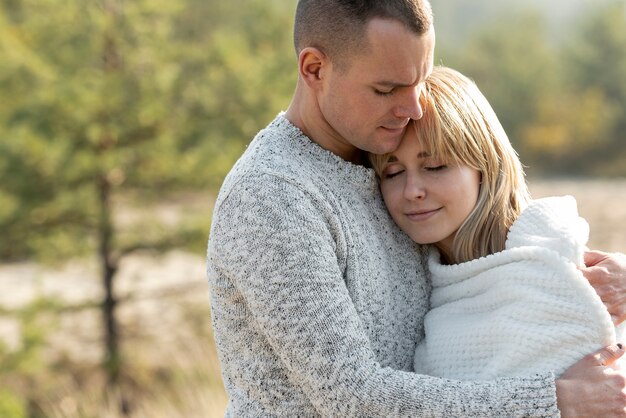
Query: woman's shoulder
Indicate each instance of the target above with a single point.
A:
(553, 223)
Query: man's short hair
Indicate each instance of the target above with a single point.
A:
(338, 27)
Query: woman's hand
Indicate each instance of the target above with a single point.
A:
(606, 272)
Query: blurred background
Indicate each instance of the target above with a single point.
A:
(120, 119)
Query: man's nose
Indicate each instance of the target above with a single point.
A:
(410, 106)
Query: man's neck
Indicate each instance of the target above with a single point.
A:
(309, 120)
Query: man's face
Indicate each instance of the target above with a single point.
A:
(369, 104)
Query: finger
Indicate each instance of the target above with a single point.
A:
(608, 355)
(593, 257)
(617, 305)
(618, 319)
(596, 275)
(618, 313)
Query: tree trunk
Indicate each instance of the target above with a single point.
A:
(113, 362)
(108, 268)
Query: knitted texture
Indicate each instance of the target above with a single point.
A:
(318, 299)
(519, 311)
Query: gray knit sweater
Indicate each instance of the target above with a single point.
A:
(318, 299)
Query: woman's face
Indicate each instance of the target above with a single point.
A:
(428, 198)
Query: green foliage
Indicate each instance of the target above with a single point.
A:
(11, 405)
(37, 320)
(561, 103)
(114, 101)
(153, 97)
(21, 368)
(579, 128)
(512, 71)
(597, 63)
(149, 96)
(110, 108)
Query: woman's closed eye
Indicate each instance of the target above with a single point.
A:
(391, 174)
(436, 167)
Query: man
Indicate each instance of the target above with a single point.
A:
(317, 298)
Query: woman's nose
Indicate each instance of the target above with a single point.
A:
(414, 189)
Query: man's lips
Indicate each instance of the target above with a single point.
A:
(421, 215)
(395, 132)
(395, 128)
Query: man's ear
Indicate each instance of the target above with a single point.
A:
(313, 65)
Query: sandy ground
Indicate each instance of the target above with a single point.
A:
(156, 288)
(169, 294)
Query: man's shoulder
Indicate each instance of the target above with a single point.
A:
(279, 153)
(261, 166)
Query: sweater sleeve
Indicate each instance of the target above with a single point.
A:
(279, 246)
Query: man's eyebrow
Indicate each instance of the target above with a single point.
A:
(391, 84)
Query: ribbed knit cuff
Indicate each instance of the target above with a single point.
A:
(535, 397)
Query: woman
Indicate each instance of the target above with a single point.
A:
(508, 299)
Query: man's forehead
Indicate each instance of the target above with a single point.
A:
(385, 74)
(396, 56)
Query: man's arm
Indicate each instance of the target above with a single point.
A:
(278, 246)
(606, 272)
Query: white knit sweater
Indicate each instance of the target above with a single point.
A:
(519, 311)
(318, 298)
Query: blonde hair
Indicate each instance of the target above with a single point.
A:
(460, 126)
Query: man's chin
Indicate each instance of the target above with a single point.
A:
(389, 139)
(387, 145)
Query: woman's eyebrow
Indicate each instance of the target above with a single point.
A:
(394, 159)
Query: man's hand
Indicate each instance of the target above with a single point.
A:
(593, 387)
(607, 274)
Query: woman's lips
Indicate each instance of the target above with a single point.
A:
(421, 215)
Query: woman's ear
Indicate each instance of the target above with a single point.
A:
(313, 64)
